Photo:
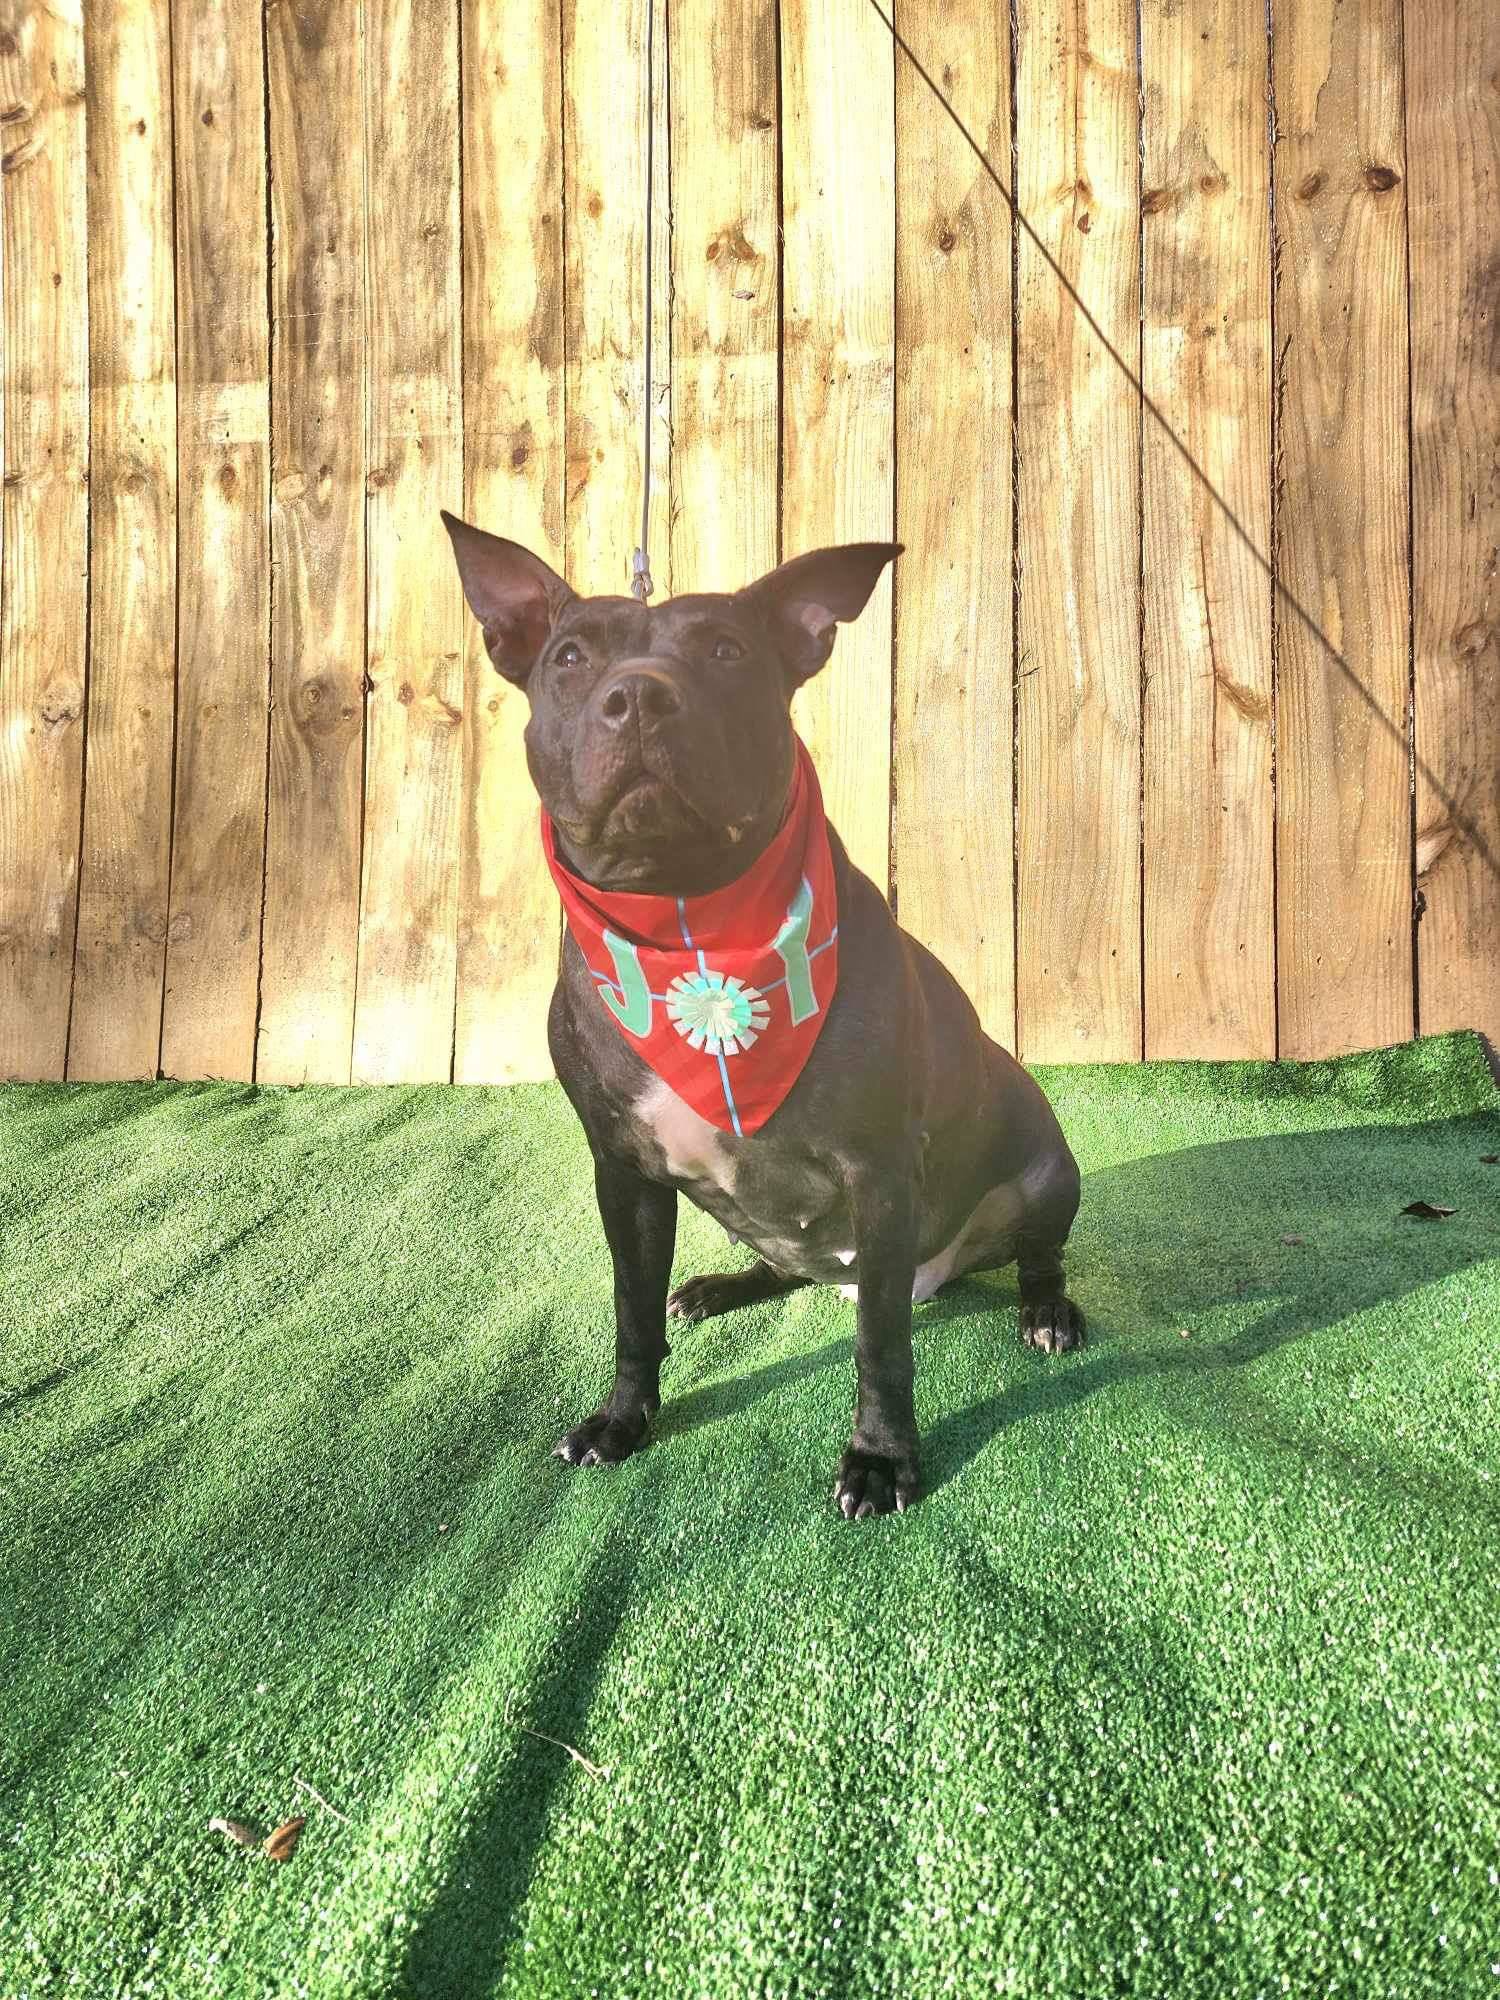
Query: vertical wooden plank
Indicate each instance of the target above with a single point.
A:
(725, 295)
(414, 757)
(838, 281)
(1208, 919)
(953, 805)
(122, 916)
(1453, 150)
(604, 153)
(1344, 864)
(218, 841)
(1078, 418)
(513, 484)
(315, 87)
(45, 534)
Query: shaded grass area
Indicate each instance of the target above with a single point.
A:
(1180, 1681)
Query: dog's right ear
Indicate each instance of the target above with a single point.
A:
(512, 593)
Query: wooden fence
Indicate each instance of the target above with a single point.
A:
(1178, 731)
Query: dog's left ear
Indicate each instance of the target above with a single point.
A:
(514, 595)
(805, 600)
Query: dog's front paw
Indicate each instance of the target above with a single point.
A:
(1054, 1325)
(602, 1439)
(870, 1483)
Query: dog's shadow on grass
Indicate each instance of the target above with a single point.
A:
(1185, 1235)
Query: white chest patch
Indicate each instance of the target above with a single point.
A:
(694, 1149)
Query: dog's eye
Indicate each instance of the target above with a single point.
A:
(568, 656)
(729, 649)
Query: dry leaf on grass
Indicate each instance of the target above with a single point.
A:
(239, 1833)
(1489, 1159)
(1429, 1211)
(280, 1844)
(1294, 1239)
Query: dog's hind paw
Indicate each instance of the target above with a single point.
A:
(1054, 1325)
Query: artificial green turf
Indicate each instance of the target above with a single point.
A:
(1180, 1681)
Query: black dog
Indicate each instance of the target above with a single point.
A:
(910, 1148)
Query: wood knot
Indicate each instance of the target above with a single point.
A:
(1470, 641)
(595, 205)
(404, 694)
(140, 125)
(1212, 183)
(519, 456)
(58, 710)
(208, 116)
(22, 155)
(759, 122)
(946, 240)
(228, 482)
(1380, 180)
(1155, 201)
(1085, 222)
(1311, 185)
(733, 239)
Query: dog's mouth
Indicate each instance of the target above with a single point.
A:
(644, 809)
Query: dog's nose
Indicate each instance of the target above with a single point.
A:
(640, 691)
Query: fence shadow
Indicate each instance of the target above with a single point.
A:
(1187, 1234)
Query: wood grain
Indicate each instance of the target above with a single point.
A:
(838, 373)
(952, 837)
(513, 485)
(223, 609)
(604, 151)
(125, 871)
(1344, 862)
(315, 86)
(1453, 112)
(45, 532)
(1208, 917)
(1078, 417)
(414, 750)
(725, 295)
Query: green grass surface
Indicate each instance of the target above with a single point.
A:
(1180, 1681)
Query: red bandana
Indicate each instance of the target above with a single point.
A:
(722, 995)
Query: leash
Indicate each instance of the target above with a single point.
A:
(641, 585)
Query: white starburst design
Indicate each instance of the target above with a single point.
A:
(716, 1012)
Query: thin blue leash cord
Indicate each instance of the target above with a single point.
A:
(641, 585)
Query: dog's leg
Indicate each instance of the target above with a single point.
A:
(1049, 1318)
(640, 1224)
(878, 1471)
(725, 1291)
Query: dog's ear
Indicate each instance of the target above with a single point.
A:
(806, 599)
(512, 593)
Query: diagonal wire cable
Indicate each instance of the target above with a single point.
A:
(1463, 823)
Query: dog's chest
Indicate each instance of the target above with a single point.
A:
(775, 1197)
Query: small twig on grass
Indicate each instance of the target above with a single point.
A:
(594, 1770)
(302, 1785)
